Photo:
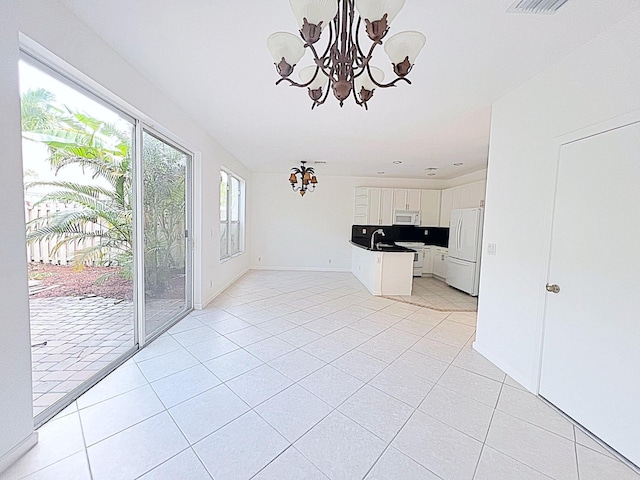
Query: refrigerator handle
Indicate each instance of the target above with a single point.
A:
(459, 234)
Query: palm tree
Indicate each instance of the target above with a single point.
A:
(74, 138)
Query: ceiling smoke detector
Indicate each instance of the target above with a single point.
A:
(538, 7)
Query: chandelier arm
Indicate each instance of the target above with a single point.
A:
(326, 95)
(357, 37)
(326, 52)
(386, 85)
(302, 85)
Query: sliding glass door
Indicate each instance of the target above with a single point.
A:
(167, 266)
(107, 213)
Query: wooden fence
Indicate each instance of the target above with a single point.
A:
(43, 251)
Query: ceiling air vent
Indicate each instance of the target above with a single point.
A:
(542, 7)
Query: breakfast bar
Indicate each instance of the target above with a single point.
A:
(383, 269)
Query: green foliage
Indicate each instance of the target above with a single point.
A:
(74, 138)
(102, 220)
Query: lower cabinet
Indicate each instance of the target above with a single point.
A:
(440, 256)
(427, 261)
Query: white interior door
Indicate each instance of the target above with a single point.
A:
(591, 352)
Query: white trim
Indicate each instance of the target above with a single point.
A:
(600, 127)
(302, 269)
(486, 354)
(576, 135)
(33, 49)
(18, 451)
(242, 216)
(197, 236)
(212, 297)
(137, 232)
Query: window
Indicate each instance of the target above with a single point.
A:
(231, 214)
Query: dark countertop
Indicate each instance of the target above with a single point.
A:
(388, 248)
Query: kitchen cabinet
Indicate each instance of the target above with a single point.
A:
(386, 206)
(361, 208)
(373, 206)
(429, 208)
(440, 256)
(427, 260)
(383, 273)
(406, 199)
(463, 196)
(446, 205)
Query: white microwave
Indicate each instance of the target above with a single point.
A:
(406, 217)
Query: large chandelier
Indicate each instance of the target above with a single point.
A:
(343, 66)
(308, 180)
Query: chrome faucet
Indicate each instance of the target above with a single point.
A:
(373, 237)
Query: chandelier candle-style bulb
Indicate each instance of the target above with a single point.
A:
(365, 86)
(286, 50)
(378, 15)
(343, 65)
(402, 49)
(314, 85)
(313, 16)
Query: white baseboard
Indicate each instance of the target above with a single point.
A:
(18, 451)
(482, 351)
(302, 269)
(211, 298)
(200, 306)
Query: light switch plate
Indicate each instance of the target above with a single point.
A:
(491, 249)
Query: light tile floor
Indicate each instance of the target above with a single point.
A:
(435, 294)
(307, 376)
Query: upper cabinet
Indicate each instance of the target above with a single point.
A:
(375, 206)
(406, 199)
(463, 196)
(446, 206)
(429, 208)
(386, 206)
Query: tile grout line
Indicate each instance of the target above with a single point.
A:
(84, 442)
(486, 435)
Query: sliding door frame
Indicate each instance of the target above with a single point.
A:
(35, 54)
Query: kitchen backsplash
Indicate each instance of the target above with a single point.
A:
(438, 236)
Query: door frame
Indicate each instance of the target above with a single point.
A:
(559, 141)
(67, 73)
(142, 128)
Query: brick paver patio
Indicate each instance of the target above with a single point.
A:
(83, 336)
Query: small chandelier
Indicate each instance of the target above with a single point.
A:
(342, 66)
(308, 180)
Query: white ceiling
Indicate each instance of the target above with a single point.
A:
(210, 57)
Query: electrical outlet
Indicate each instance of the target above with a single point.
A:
(259, 259)
(426, 233)
(329, 260)
(491, 248)
(364, 231)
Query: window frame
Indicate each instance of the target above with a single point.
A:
(228, 254)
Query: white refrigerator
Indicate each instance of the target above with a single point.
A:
(465, 247)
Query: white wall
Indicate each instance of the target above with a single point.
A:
(597, 82)
(468, 178)
(16, 413)
(292, 232)
(55, 28)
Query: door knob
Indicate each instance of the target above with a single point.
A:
(553, 288)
